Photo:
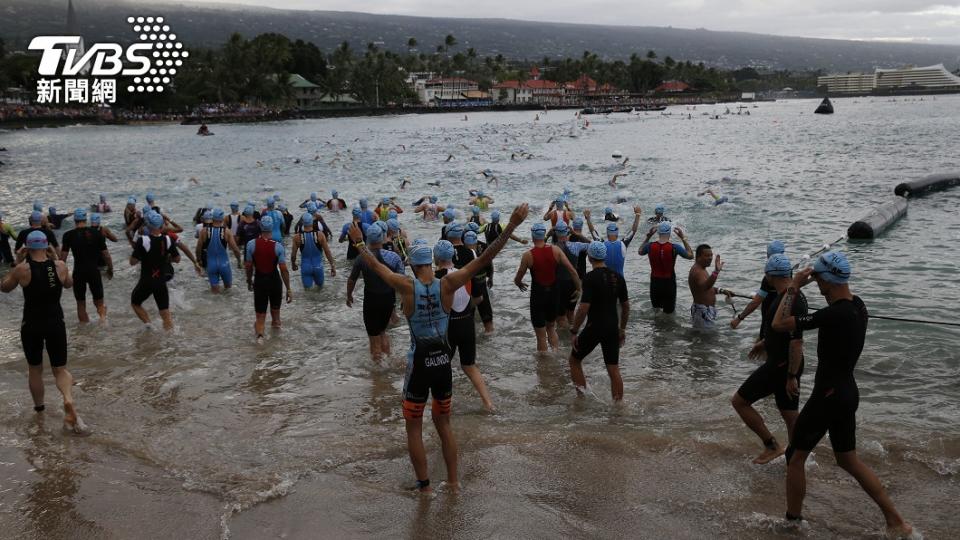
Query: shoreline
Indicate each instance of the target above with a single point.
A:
(351, 112)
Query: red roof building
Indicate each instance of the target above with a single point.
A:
(672, 87)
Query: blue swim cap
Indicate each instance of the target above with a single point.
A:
(392, 214)
(311, 207)
(36, 217)
(334, 194)
(382, 225)
(597, 250)
(444, 251)
(103, 198)
(234, 205)
(475, 210)
(37, 240)
(538, 231)
(433, 198)
(374, 234)
(560, 202)
(495, 216)
(420, 254)
(664, 227)
(385, 201)
(266, 223)
(608, 210)
(472, 226)
(363, 203)
(38, 206)
(155, 220)
(313, 195)
(419, 242)
(470, 238)
(357, 212)
(307, 219)
(578, 223)
(393, 224)
(778, 265)
(150, 197)
(270, 203)
(775, 247)
(480, 193)
(613, 230)
(131, 200)
(562, 229)
(80, 214)
(207, 215)
(217, 214)
(248, 211)
(455, 231)
(52, 209)
(832, 267)
(448, 214)
(95, 218)
(281, 207)
(660, 209)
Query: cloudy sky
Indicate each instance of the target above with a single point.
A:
(892, 20)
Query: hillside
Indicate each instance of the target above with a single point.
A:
(210, 25)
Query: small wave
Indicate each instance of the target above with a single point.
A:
(939, 465)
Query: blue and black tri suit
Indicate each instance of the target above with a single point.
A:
(311, 267)
(428, 362)
(218, 260)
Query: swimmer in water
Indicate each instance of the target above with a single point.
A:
(427, 302)
(429, 208)
(379, 297)
(404, 183)
(213, 242)
(42, 279)
(662, 255)
(832, 406)
(779, 350)
(717, 199)
(603, 290)
(613, 181)
(266, 266)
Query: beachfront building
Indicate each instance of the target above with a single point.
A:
(924, 79)
(304, 94)
(511, 92)
(671, 87)
(451, 92)
(850, 83)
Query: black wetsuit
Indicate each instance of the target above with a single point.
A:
(87, 245)
(379, 298)
(461, 332)
(604, 290)
(247, 232)
(5, 254)
(771, 377)
(154, 254)
(832, 406)
(42, 324)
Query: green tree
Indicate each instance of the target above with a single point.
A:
(412, 43)
(651, 55)
(449, 41)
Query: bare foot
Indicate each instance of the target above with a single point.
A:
(769, 455)
(69, 413)
(902, 531)
(488, 406)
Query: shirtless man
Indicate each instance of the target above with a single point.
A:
(703, 312)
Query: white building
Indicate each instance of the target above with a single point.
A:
(923, 78)
(446, 90)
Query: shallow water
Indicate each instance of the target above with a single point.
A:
(204, 434)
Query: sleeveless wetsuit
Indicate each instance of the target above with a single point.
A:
(266, 255)
(218, 260)
(543, 306)
(428, 361)
(42, 324)
(311, 267)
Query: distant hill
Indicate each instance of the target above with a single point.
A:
(210, 25)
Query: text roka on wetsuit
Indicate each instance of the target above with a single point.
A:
(428, 361)
(42, 316)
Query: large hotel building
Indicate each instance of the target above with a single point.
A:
(930, 79)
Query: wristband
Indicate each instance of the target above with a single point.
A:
(359, 244)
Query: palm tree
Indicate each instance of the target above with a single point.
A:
(450, 41)
(651, 55)
(412, 43)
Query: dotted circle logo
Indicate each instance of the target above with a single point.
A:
(166, 57)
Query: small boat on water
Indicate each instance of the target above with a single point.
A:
(825, 107)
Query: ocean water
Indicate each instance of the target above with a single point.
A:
(203, 434)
